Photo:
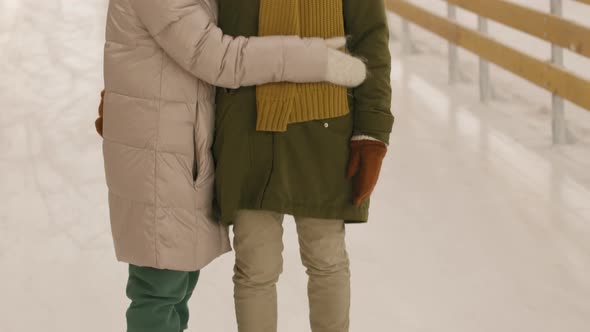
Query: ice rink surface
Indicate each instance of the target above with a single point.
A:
(479, 224)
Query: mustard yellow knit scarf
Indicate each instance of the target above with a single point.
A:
(280, 104)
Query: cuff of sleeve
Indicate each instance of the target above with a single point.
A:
(366, 138)
(374, 124)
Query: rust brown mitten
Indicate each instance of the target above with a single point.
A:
(366, 158)
(98, 122)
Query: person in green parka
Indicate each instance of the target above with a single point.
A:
(313, 151)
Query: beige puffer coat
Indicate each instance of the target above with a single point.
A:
(160, 58)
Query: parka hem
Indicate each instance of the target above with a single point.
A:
(172, 266)
(350, 215)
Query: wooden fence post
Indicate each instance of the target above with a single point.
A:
(453, 51)
(558, 122)
(485, 89)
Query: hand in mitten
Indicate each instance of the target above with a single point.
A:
(343, 69)
(98, 122)
(366, 158)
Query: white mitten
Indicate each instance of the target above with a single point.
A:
(343, 69)
(336, 42)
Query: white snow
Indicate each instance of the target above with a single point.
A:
(479, 222)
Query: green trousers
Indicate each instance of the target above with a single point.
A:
(159, 299)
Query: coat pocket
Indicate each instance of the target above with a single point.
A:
(203, 136)
(340, 127)
(195, 161)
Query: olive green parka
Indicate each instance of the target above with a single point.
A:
(302, 171)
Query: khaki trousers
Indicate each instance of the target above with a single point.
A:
(258, 245)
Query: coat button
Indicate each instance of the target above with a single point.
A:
(326, 125)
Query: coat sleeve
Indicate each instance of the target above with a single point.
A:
(366, 24)
(187, 33)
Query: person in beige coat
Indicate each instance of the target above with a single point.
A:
(161, 60)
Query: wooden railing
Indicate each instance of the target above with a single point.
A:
(584, 1)
(553, 28)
